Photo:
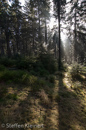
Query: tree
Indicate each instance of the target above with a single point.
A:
(59, 10)
(37, 15)
(76, 19)
(4, 27)
(16, 17)
(43, 16)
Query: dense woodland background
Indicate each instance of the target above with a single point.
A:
(43, 76)
(25, 31)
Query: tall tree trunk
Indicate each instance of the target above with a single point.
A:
(1, 44)
(13, 47)
(40, 40)
(17, 43)
(33, 37)
(39, 33)
(54, 43)
(7, 41)
(59, 66)
(45, 32)
(26, 48)
(75, 35)
(17, 40)
(2, 48)
(7, 37)
(55, 51)
(75, 32)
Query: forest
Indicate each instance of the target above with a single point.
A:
(43, 65)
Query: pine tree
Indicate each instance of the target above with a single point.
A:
(5, 27)
(59, 11)
(16, 17)
(76, 19)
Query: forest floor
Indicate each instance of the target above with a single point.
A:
(57, 106)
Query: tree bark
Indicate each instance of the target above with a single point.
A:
(33, 36)
(59, 65)
(1, 44)
(45, 32)
(7, 41)
(39, 33)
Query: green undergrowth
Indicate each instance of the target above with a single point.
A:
(78, 72)
(21, 76)
(42, 65)
(14, 76)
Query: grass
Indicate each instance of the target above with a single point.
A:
(14, 76)
(28, 98)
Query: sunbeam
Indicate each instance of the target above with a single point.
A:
(63, 37)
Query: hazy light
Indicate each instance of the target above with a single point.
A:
(63, 37)
(52, 19)
(75, 1)
(22, 2)
(52, 22)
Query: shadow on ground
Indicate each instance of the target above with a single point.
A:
(55, 106)
(72, 115)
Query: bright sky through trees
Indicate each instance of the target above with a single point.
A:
(22, 2)
(52, 19)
